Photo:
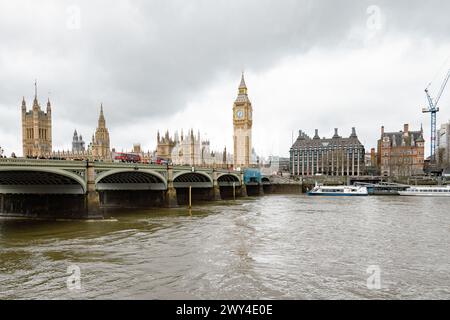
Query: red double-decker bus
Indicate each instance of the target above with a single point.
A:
(127, 157)
(161, 161)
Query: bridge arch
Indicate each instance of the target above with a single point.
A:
(130, 179)
(197, 179)
(227, 179)
(33, 180)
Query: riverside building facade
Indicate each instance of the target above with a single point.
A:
(443, 146)
(401, 153)
(336, 156)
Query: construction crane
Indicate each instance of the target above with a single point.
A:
(433, 109)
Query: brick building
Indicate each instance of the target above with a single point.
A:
(401, 153)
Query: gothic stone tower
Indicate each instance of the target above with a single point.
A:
(36, 129)
(164, 146)
(242, 124)
(77, 143)
(100, 142)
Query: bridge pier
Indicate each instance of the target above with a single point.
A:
(92, 205)
(261, 189)
(92, 197)
(244, 190)
(2, 203)
(216, 188)
(170, 195)
(216, 192)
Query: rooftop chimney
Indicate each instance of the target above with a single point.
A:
(316, 136)
(382, 130)
(353, 135)
(336, 135)
(372, 156)
(301, 135)
(406, 128)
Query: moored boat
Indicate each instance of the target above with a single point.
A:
(383, 188)
(338, 191)
(427, 191)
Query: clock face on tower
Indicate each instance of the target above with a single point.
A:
(239, 114)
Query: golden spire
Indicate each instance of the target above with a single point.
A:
(242, 85)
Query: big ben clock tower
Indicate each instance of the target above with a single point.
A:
(242, 124)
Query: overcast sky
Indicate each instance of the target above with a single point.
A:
(177, 64)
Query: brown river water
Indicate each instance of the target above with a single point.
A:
(272, 247)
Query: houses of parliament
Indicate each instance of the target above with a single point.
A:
(37, 136)
(36, 129)
(185, 150)
(190, 149)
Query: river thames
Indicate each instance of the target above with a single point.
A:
(272, 247)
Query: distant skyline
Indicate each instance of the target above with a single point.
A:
(158, 65)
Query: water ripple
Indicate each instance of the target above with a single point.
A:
(274, 247)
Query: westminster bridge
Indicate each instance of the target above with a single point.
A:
(85, 189)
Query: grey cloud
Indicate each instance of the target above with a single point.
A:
(148, 59)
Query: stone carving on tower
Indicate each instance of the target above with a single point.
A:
(100, 141)
(36, 129)
(242, 125)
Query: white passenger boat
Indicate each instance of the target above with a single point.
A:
(338, 191)
(437, 191)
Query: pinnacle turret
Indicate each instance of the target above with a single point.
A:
(49, 106)
(101, 118)
(35, 102)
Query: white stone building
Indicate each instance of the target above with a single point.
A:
(443, 145)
